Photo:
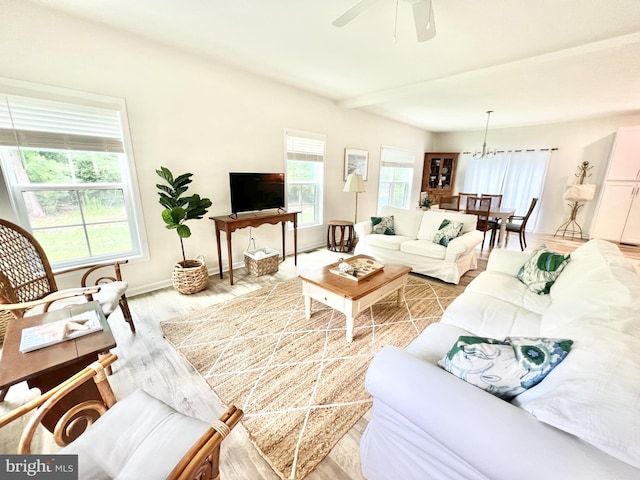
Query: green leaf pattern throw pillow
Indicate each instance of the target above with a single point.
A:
(504, 368)
(542, 269)
(448, 231)
(383, 225)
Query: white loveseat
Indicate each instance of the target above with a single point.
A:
(582, 421)
(413, 245)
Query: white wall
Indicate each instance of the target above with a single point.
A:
(589, 140)
(190, 114)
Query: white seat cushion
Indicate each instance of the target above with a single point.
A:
(424, 248)
(109, 295)
(139, 437)
(511, 290)
(491, 317)
(389, 242)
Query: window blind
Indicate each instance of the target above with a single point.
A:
(37, 123)
(395, 157)
(305, 148)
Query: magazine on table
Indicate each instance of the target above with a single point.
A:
(40, 336)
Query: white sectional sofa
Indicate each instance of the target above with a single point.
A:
(413, 245)
(582, 421)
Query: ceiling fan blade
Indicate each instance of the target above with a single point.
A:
(352, 13)
(423, 17)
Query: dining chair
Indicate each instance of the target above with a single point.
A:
(481, 206)
(138, 436)
(463, 198)
(496, 199)
(496, 202)
(450, 202)
(518, 224)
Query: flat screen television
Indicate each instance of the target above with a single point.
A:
(256, 191)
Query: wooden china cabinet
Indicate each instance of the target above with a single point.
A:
(439, 175)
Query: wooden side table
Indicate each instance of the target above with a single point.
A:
(345, 241)
(47, 367)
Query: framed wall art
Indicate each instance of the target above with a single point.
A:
(355, 161)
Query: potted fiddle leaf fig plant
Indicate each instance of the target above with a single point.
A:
(189, 275)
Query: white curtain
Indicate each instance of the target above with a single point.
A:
(518, 176)
(486, 175)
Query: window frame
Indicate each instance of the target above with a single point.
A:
(385, 162)
(129, 183)
(319, 205)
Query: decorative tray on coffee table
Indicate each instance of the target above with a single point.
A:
(360, 268)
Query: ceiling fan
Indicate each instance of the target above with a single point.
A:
(422, 15)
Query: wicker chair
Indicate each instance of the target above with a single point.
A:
(28, 276)
(136, 437)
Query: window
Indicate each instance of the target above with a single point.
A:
(67, 175)
(517, 175)
(396, 177)
(305, 176)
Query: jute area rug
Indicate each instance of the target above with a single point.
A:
(300, 384)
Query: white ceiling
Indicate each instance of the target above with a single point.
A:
(530, 61)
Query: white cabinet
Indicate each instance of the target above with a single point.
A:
(624, 163)
(618, 217)
(618, 214)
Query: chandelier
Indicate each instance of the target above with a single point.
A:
(485, 153)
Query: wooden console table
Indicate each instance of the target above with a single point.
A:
(229, 224)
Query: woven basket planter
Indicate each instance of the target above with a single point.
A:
(190, 277)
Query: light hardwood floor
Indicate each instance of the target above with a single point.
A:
(147, 361)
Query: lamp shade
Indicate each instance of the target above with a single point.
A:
(580, 192)
(354, 184)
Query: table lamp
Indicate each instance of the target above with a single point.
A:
(354, 184)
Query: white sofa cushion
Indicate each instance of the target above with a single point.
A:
(595, 393)
(432, 219)
(510, 290)
(424, 248)
(405, 222)
(388, 242)
(488, 316)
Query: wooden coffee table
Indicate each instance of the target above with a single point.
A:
(352, 297)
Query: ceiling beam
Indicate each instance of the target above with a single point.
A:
(382, 96)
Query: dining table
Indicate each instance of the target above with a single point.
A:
(502, 213)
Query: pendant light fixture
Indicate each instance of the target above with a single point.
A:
(485, 153)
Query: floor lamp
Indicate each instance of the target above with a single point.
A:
(354, 184)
